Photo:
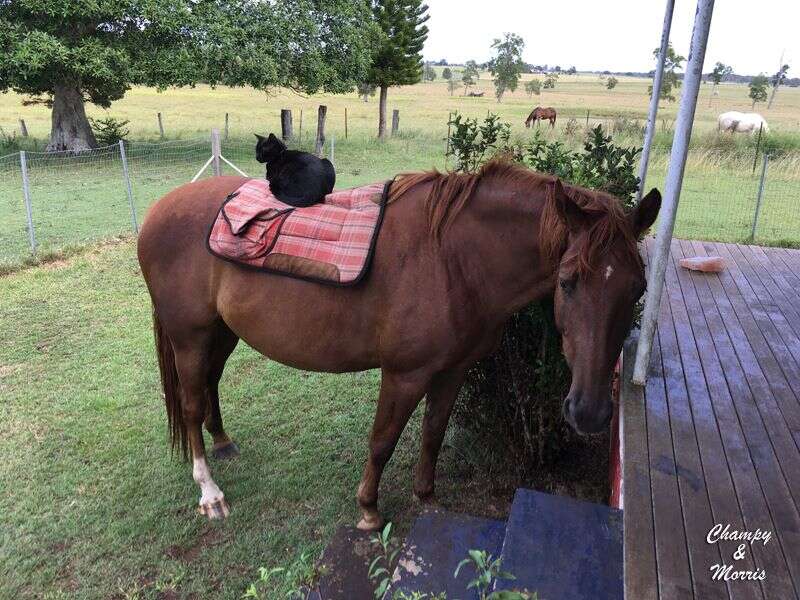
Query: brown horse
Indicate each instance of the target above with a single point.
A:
(538, 114)
(458, 254)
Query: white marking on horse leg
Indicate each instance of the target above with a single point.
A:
(609, 271)
(209, 491)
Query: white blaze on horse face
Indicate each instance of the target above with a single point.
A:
(609, 271)
(209, 491)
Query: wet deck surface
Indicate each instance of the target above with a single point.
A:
(714, 436)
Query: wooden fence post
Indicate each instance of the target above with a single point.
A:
(395, 121)
(23, 129)
(226, 126)
(321, 115)
(286, 124)
(215, 152)
(160, 126)
(345, 122)
(587, 119)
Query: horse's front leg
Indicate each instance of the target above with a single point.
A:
(439, 404)
(399, 396)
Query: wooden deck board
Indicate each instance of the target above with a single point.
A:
(713, 437)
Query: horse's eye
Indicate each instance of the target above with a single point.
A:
(568, 285)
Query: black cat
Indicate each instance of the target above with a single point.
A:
(296, 178)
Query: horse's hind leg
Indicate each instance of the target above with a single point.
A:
(193, 366)
(224, 343)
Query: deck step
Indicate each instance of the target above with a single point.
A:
(345, 563)
(437, 542)
(563, 548)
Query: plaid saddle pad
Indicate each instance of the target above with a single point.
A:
(331, 242)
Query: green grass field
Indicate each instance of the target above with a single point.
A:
(94, 507)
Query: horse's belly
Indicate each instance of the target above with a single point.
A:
(302, 325)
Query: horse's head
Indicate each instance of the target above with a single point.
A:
(268, 148)
(600, 278)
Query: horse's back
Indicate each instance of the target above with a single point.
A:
(171, 240)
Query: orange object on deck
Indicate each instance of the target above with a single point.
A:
(707, 264)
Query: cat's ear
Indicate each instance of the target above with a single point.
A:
(276, 142)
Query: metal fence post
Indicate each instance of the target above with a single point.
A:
(215, 152)
(26, 194)
(760, 196)
(672, 188)
(652, 115)
(126, 175)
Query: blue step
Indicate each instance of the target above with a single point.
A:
(563, 548)
(345, 565)
(437, 542)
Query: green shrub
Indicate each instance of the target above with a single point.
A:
(511, 401)
(109, 130)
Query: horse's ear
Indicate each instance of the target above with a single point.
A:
(644, 215)
(260, 138)
(572, 215)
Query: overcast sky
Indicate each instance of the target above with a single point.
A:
(618, 35)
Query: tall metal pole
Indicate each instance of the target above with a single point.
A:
(672, 188)
(760, 196)
(26, 196)
(651, 116)
(126, 175)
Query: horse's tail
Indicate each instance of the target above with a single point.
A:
(171, 387)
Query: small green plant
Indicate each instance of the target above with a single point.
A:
(611, 83)
(379, 569)
(550, 81)
(298, 580)
(472, 143)
(571, 129)
(109, 130)
(487, 571)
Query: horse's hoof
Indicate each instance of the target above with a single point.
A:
(215, 510)
(370, 522)
(225, 452)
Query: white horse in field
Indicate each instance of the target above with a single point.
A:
(738, 122)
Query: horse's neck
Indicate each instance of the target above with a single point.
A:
(496, 242)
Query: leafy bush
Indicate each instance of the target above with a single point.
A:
(471, 144)
(511, 401)
(109, 130)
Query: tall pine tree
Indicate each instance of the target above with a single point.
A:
(65, 53)
(398, 58)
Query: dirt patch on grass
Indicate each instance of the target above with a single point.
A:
(209, 537)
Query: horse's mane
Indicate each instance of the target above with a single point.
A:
(450, 192)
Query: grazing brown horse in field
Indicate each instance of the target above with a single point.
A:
(541, 114)
(457, 256)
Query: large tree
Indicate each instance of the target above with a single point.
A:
(507, 65)
(757, 89)
(776, 81)
(68, 52)
(398, 57)
(717, 76)
(670, 80)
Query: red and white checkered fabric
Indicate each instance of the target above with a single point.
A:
(253, 225)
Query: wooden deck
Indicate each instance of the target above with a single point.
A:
(714, 437)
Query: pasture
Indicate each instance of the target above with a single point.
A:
(76, 201)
